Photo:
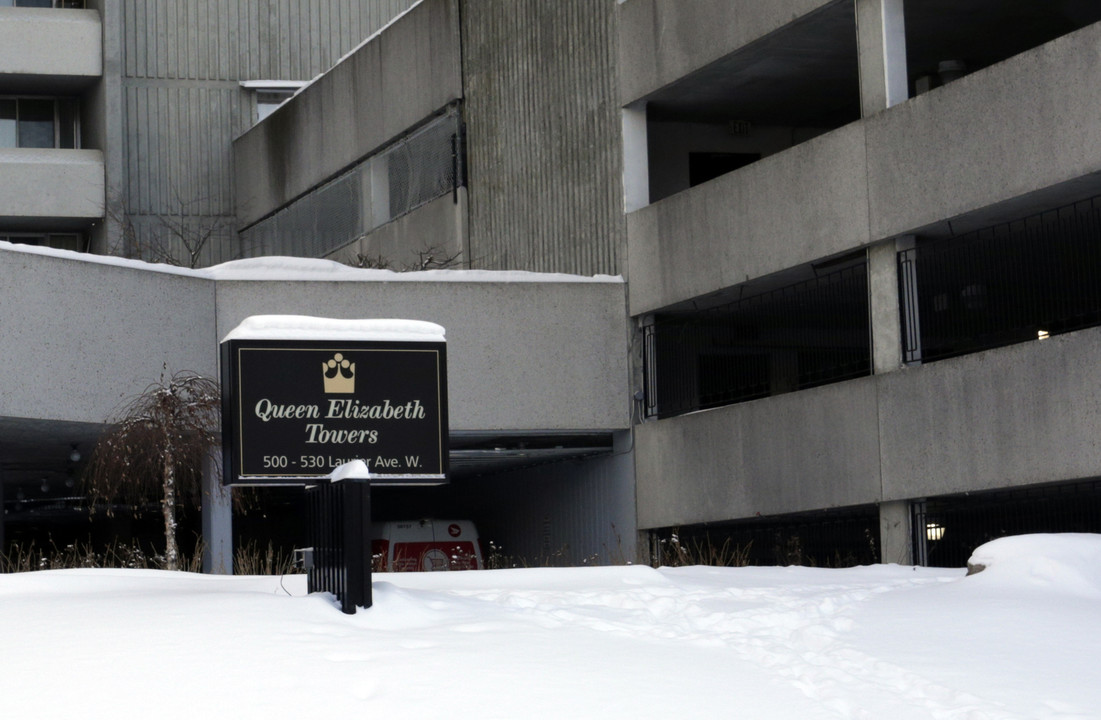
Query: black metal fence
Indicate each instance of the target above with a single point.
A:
(806, 334)
(947, 530)
(339, 533)
(831, 538)
(1020, 281)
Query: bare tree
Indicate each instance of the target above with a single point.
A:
(430, 258)
(178, 238)
(155, 447)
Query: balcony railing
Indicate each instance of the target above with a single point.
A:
(807, 334)
(1025, 280)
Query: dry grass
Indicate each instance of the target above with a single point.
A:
(249, 559)
(674, 553)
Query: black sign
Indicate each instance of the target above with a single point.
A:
(293, 411)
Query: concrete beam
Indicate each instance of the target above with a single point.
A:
(661, 41)
(791, 208)
(958, 161)
(800, 451)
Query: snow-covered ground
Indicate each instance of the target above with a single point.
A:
(1018, 640)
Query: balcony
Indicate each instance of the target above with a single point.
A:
(844, 189)
(57, 48)
(41, 186)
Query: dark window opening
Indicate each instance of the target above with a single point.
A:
(1025, 280)
(61, 241)
(795, 337)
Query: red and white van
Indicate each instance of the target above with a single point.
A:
(425, 545)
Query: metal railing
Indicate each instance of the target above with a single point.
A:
(1024, 280)
(947, 530)
(806, 334)
(409, 173)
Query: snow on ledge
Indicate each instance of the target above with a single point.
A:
(295, 269)
(298, 269)
(304, 327)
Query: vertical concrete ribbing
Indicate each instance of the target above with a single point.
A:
(543, 135)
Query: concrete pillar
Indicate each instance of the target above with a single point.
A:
(894, 517)
(894, 533)
(379, 173)
(217, 519)
(636, 159)
(883, 298)
(881, 49)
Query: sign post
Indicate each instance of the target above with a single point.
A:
(302, 397)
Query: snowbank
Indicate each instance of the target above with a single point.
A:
(1066, 562)
(884, 641)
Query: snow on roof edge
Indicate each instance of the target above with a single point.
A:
(293, 269)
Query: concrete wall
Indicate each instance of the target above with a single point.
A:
(81, 336)
(661, 41)
(962, 145)
(72, 39)
(799, 205)
(1018, 415)
(46, 183)
(1003, 418)
(812, 449)
(543, 136)
(386, 87)
(521, 355)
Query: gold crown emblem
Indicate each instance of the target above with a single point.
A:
(340, 375)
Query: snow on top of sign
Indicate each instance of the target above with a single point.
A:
(294, 269)
(303, 327)
(351, 470)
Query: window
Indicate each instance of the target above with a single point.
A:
(60, 241)
(270, 94)
(268, 100)
(38, 122)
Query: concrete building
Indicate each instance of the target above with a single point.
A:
(852, 313)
